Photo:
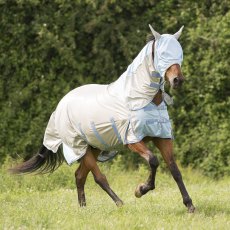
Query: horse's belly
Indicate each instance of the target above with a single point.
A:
(91, 114)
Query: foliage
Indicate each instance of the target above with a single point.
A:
(50, 47)
(203, 115)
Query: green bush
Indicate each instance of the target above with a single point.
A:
(50, 47)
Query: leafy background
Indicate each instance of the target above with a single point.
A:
(48, 48)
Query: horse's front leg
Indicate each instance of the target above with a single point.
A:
(166, 148)
(152, 160)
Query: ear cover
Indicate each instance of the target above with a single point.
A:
(178, 34)
(155, 34)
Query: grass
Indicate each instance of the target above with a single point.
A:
(50, 202)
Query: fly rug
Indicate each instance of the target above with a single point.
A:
(94, 121)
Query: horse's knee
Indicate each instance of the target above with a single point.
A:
(153, 162)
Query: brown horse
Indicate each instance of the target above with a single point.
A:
(47, 161)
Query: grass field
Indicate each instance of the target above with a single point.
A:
(50, 202)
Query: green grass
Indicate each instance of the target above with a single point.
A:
(50, 202)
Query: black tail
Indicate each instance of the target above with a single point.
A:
(45, 161)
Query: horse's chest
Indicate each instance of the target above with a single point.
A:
(150, 121)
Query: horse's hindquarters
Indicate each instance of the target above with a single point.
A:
(89, 116)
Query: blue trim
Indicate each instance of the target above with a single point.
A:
(152, 121)
(99, 138)
(115, 130)
(149, 108)
(155, 85)
(156, 74)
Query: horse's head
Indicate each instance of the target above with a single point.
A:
(168, 57)
(174, 76)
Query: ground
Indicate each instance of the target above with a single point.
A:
(50, 202)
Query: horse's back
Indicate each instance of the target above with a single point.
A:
(91, 114)
(92, 102)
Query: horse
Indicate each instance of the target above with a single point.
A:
(94, 120)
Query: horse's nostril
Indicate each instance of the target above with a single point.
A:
(176, 80)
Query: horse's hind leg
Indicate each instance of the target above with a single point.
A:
(80, 177)
(166, 148)
(89, 160)
(152, 160)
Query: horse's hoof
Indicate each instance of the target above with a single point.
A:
(138, 193)
(191, 209)
(82, 204)
(119, 203)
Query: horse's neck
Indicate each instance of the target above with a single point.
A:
(158, 98)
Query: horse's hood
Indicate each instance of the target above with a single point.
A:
(167, 51)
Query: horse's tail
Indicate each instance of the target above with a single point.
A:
(45, 161)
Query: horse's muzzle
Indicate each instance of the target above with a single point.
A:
(177, 82)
